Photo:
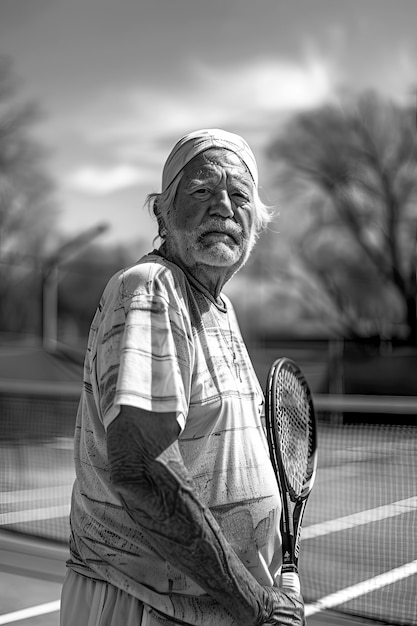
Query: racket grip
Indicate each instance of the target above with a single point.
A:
(290, 578)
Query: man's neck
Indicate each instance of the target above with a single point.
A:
(211, 278)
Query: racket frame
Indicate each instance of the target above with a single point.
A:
(290, 523)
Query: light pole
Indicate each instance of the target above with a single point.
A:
(50, 281)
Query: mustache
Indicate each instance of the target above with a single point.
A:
(228, 227)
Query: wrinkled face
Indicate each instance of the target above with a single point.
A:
(213, 214)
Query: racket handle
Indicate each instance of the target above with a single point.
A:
(290, 578)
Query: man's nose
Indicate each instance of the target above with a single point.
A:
(222, 204)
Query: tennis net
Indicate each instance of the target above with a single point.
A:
(358, 551)
(36, 456)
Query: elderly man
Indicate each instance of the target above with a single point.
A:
(175, 509)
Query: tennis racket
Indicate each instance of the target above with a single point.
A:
(292, 439)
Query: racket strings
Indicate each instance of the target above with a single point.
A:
(294, 426)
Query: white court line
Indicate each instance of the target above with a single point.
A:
(362, 588)
(328, 602)
(33, 515)
(357, 519)
(308, 532)
(33, 611)
(314, 530)
(350, 521)
(40, 493)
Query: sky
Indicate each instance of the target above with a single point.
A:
(119, 81)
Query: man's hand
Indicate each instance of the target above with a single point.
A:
(283, 608)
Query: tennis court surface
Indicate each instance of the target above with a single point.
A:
(358, 554)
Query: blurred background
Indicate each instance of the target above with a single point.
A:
(93, 95)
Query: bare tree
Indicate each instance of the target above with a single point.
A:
(26, 206)
(350, 177)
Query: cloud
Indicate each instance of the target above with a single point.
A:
(270, 84)
(208, 95)
(151, 118)
(96, 180)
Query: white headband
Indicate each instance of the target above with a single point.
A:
(200, 140)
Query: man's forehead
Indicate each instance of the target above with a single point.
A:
(208, 164)
(201, 141)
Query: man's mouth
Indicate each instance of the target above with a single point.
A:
(221, 235)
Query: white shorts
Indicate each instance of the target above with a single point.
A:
(87, 602)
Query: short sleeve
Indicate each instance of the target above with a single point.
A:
(155, 357)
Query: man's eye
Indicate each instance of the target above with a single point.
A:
(202, 192)
(240, 196)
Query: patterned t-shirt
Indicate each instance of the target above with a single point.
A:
(159, 342)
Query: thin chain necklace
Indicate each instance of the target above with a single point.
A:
(219, 305)
(230, 346)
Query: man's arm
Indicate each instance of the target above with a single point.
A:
(148, 472)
